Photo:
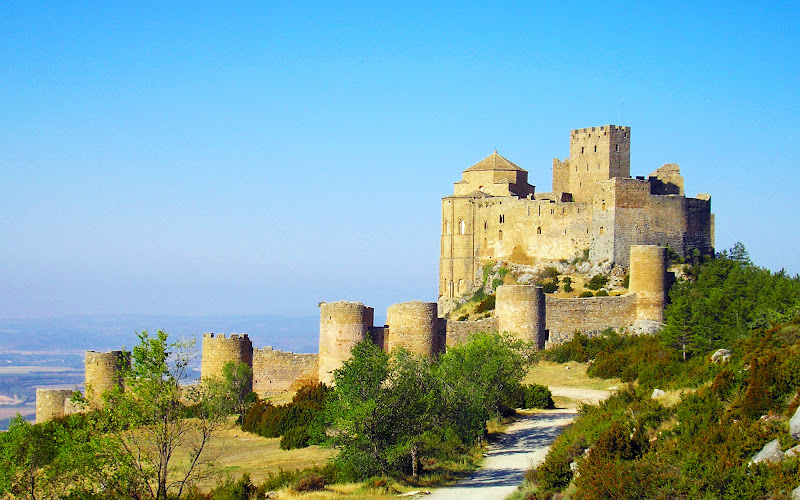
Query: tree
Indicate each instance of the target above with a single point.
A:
(148, 418)
(238, 385)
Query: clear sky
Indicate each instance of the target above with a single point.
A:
(193, 157)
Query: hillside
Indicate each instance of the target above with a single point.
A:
(692, 417)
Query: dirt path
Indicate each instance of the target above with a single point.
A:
(524, 445)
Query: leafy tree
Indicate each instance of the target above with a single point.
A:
(147, 420)
(238, 385)
(386, 413)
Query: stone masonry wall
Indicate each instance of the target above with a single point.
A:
(591, 314)
(459, 331)
(277, 371)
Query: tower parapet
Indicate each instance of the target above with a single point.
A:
(520, 311)
(342, 325)
(103, 371)
(648, 281)
(218, 350)
(413, 326)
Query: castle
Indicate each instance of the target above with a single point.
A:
(494, 214)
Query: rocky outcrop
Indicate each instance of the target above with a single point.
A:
(794, 425)
(771, 452)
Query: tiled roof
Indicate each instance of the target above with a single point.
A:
(494, 162)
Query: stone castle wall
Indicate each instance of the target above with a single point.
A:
(588, 315)
(277, 371)
(458, 332)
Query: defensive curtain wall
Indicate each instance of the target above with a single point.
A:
(595, 204)
(521, 310)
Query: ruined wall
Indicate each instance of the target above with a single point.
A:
(277, 371)
(218, 350)
(51, 403)
(342, 325)
(591, 314)
(520, 311)
(457, 332)
(413, 326)
(103, 372)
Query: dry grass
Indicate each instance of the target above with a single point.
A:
(237, 452)
(569, 374)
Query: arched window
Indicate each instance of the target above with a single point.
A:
(539, 230)
(603, 206)
(460, 286)
(500, 235)
(447, 227)
(602, 231)
(485, 225)
(581, 149)
(616, 148)
(462, 226)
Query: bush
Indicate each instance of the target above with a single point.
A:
(597, 282)
(243, 489)
(626, 281)
(549, 286)
(531, 396)
(586, 294)
(310, 482)
(296, 437)
(567, 284)
(549, 273)
(486, 304)
(601, 293)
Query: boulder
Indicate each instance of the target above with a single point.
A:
(792, 452)
(721, 356)
(645, 327)
(771, 452)
(657, 393)
(794, 425)
(796, 493)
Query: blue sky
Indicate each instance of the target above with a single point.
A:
(194, 158)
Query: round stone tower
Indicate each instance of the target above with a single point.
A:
(103, 371)
(520, 311)
(342, 325)
(648, 281)
(218, 350)
(414, 327)
(50, 404)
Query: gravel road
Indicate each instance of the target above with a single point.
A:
(524, 445)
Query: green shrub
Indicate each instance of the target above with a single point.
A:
(601, 293)
(497, 282)
(567, 284)
(549, 286)
(549, 273)
(531, 396)
(487, 304)
(296, 437)
(502, 272)
(626, 281)
(597, 282)
(586, 294)
(241, 489)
